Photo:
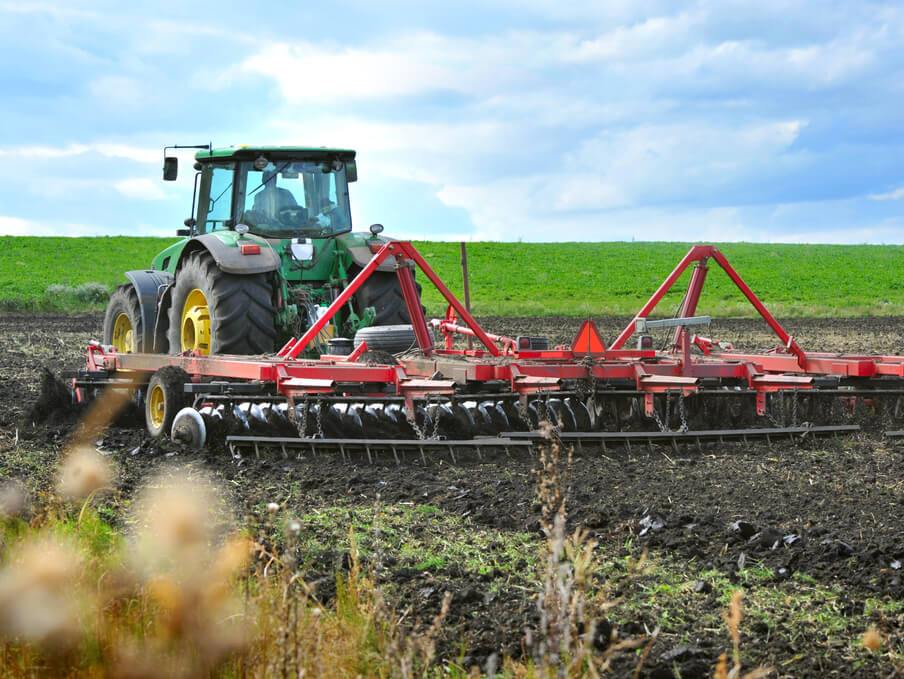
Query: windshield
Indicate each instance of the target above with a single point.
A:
(290, 198)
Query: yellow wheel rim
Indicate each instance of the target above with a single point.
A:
(156, 406)
(195, 334)
(123, 335)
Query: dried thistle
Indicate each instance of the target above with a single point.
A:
(733, 620)
(871, 640)
(13, 500)
(83, 472)
(38, 594)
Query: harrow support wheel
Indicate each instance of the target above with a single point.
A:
(165, 397)
(214, 312)
(122, 320)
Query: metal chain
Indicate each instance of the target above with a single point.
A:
(682, 411)
(319, 418)
(662, 426)
(414, 425)
(522, 412)
(772, 401)
(303, 429)
(435, 434)
(794, 408)
(551, 415)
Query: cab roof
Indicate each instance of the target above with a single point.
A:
(252, 152)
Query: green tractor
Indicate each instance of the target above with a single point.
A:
(269, 247)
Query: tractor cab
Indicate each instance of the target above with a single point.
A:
(277, 192)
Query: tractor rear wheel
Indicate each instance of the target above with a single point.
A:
(122, 320)
(214, 312)
(383, 293)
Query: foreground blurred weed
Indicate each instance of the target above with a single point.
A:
(733, 618)
(77, 601)
(566, 643)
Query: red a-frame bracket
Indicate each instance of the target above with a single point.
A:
(700, 254)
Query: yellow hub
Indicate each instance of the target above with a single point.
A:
(123, 335)
(195, 334)
(156, 406)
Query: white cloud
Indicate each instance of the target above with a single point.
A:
(14, 226)
(897, 194)
(141, 188)
(51, 9)
(119, 92)
(637, 40)
(306, 73)
(108, 150)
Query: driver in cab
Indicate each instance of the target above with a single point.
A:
(276, 208)
(272, 198)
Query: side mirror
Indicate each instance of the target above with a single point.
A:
(183, 232)
(190, 222)
(170, 168)
(351, 171)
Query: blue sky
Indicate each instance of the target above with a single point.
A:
(532, 120)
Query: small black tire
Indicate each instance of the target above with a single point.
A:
(393, 339)
(165, 397)
(240, 307)
(382, 292)
(122, 320)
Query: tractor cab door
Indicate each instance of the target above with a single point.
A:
(215, 201)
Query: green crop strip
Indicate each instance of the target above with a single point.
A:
(521, 279)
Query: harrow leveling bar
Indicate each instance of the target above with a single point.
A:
(435, 394)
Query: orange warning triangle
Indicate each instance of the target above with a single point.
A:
(588, 340)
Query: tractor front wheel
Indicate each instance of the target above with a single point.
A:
(214, 312)
(122, 321)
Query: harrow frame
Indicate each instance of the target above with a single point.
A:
(500, 369)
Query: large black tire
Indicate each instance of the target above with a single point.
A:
(123, 305)
(165, 397)
(382, 292)
(240, 307)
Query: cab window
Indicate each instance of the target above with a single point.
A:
(215, 201)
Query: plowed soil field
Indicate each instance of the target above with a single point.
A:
(813, 532)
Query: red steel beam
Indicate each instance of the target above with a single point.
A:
(337, 304)
(786, 339)
(409, 251)
(689, 303)
(700, 253)
(695, 254)
(413, 303)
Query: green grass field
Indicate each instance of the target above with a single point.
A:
(521, 279)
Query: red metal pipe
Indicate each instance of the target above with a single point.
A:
(346, 295)
(691, 298)
(695, 254)
(413, 303)
(409, 251)
(467, 332)
(786, 339)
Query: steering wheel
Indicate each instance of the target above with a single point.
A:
(293, 215)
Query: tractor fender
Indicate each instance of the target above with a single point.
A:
(230, 258)
(361, 255)
(358, 246)
(148, 286)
